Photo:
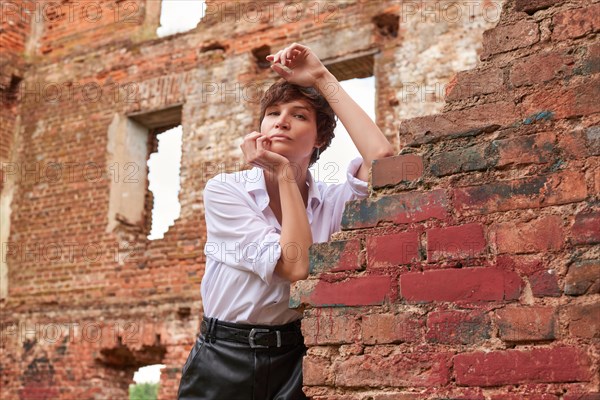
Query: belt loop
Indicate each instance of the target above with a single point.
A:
(209, 333)
(214, 331)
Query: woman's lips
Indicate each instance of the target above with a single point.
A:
(279, 137)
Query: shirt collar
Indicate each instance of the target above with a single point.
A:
(254, 180)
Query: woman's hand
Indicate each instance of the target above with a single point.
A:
(256, 149)
(305, 65)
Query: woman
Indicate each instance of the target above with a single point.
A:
(260, 225)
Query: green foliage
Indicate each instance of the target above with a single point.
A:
(143, 391)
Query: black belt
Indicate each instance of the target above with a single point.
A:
(256, 336)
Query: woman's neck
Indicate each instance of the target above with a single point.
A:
(299, 175)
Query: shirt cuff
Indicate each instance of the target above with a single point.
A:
(266, 257)
(359, 188)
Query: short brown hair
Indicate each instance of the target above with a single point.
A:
(284, 92)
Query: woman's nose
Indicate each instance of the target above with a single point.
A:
(282, 122)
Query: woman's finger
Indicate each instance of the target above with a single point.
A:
(262, 143)
(280, 71)
(295, 56)
(248, 145)
(286, 55)
(278, 56)
(251, 137)
(290, 52)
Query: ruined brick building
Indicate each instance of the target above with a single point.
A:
(471, 272)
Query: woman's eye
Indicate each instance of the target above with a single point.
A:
(301, 116)
(273, 112)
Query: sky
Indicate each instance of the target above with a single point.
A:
(164, 166)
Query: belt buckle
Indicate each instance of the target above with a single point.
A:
(253, 332)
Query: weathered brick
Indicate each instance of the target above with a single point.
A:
(525, 264)
(355, 291)
(341, 255)
(325, 328)
(462, 393)
(391, 328)
(522, 366)
(544, 283)
(395, 396)
(596, 180)
(472, 158)
(543, 234)
(509, 37)
(574, 99)
(300, 291)
(371, 396)
(521, 396)
(460, 285)
(586, 228)
(458, 327)
(575, 23)
(466, 84)
(462, 241)
(524, 324)
(389, 250)
(422, 368)
(582, 396)
(580, 144)
(400, 209)
(394, 170)
(583, 278)
(466, 122)
(584, 320)
(531, 6)
(316, 371)
(533, 149)
(560, 188)
(590, 62)
(541, 67)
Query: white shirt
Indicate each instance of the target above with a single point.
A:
(242, 245)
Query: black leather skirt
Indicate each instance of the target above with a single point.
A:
(245, 362)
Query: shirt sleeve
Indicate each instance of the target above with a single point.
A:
(237, 235)
(359, 189)
(338, 194)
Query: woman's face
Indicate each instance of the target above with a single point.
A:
(292, 129)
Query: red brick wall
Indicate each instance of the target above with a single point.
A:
(14, 31)
(473, 269)
(73, 25)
